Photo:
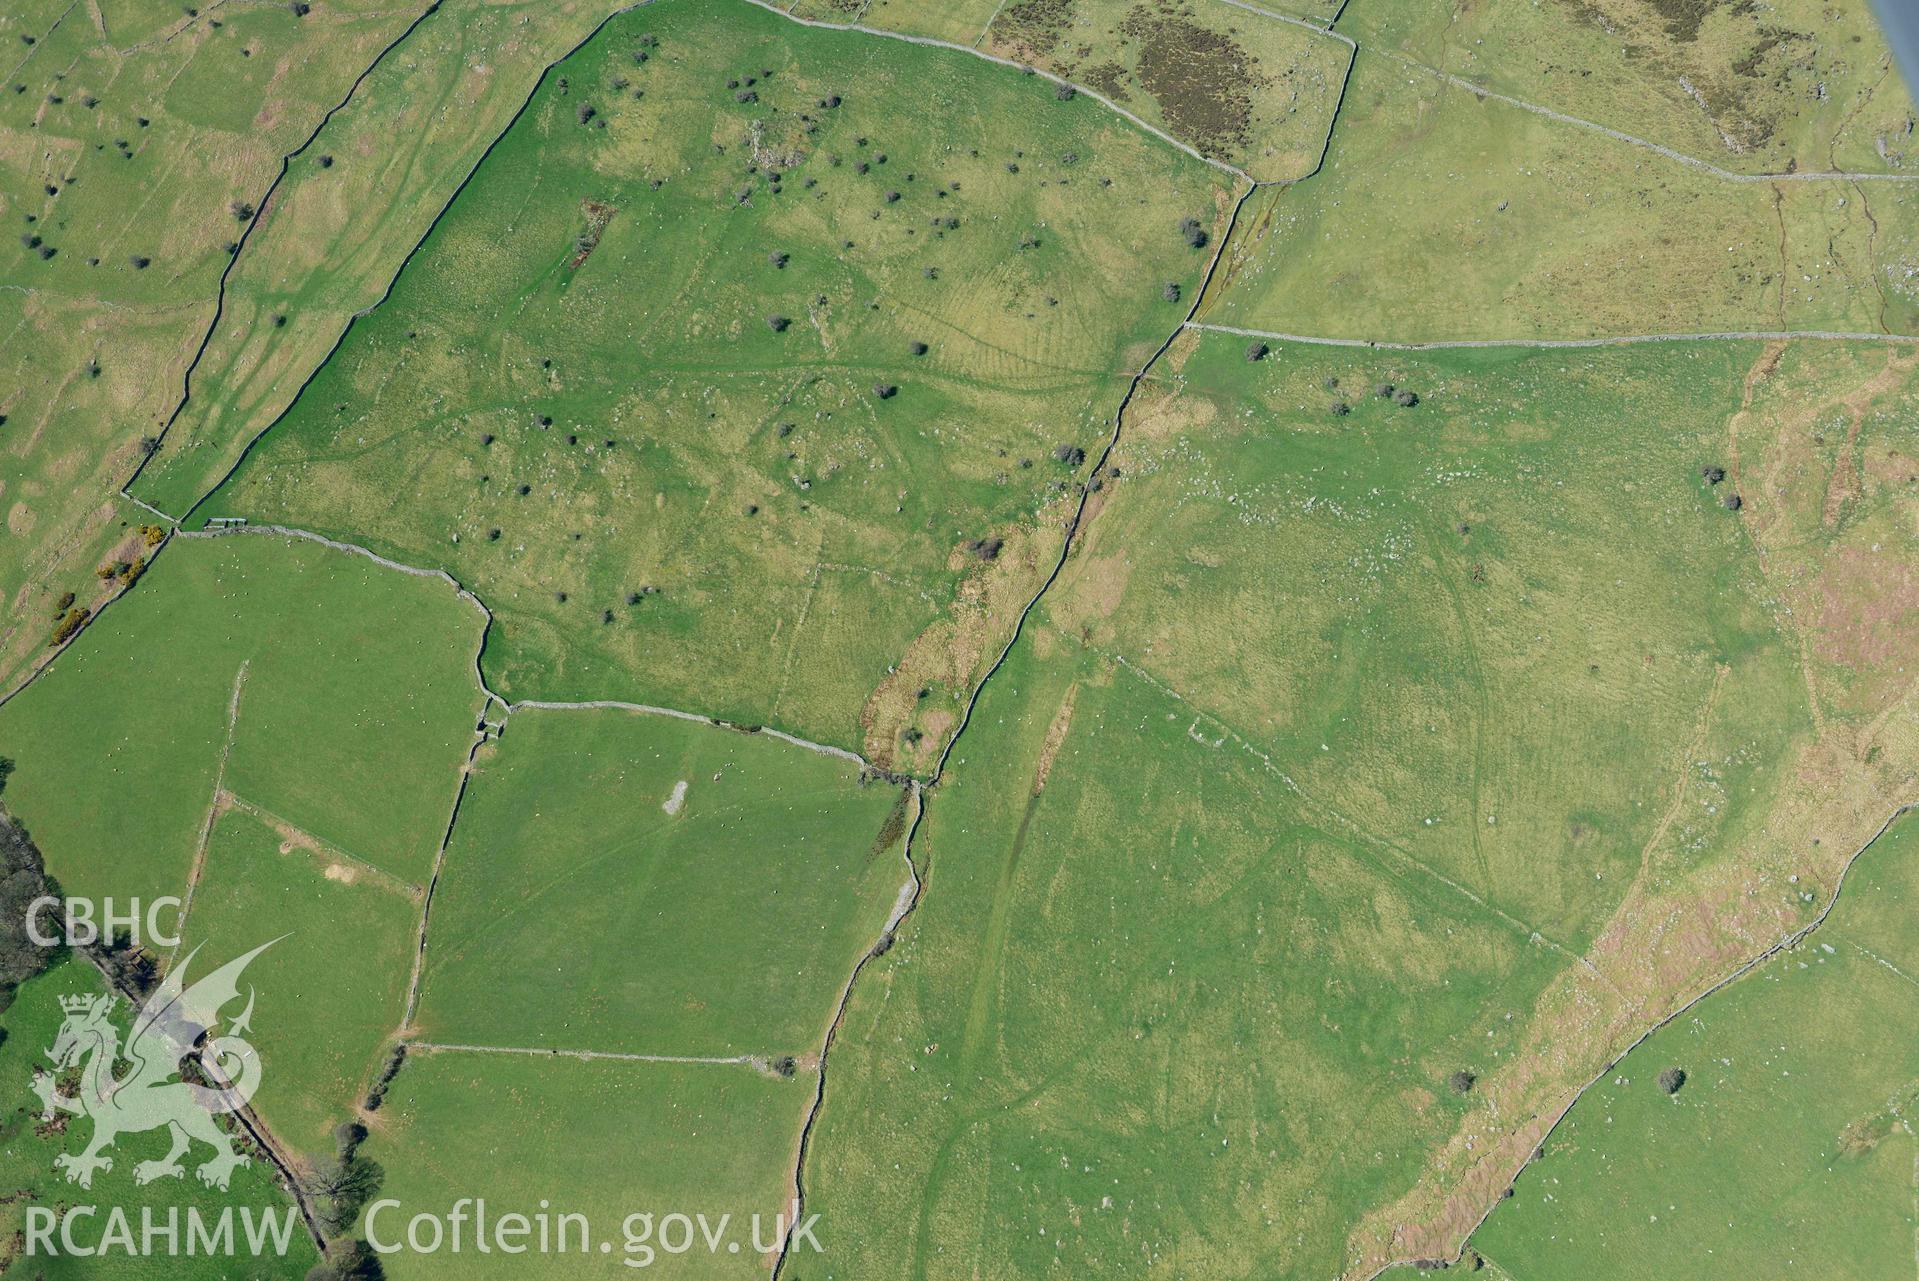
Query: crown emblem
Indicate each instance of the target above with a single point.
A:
(79, 1004)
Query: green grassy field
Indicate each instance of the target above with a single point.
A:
(576, 911)
(1484, 623)
(1140, 967)
(1352, 751)
(355, 697)
(1442, 215)
(27, 1175)
(1405, 734)
(1789, 1147)
(533, 1135)
(765, 538)
(332, 990)
(128, 132)
(353, 203)
(1795, 85)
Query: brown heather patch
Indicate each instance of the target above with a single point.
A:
(1204, 80)
(1109, 78)
(1031, 30)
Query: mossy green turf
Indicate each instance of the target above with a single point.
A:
(575, 912)
(1443, 215)
(204, 93)
(354, 716)
(1788, 1150)
(28, 1178)
(604, 1139)
(331, 989)
(792, 613)
(1295, 799)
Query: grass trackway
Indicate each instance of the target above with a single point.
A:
(1754, 335)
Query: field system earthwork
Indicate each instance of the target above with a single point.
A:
(1123, 638)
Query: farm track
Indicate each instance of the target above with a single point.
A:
(921, 870)
(736, 1060)
(213, 808)
(1548, 344)
(1565, 118)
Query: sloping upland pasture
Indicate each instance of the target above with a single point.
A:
(1405, 734)
(752, 372)
(135, 139)
(1790, 87)
(336, 228)
(1444, 214)
(1378, 772)
(1789, 1147)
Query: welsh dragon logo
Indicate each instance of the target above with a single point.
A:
(172, 1026)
